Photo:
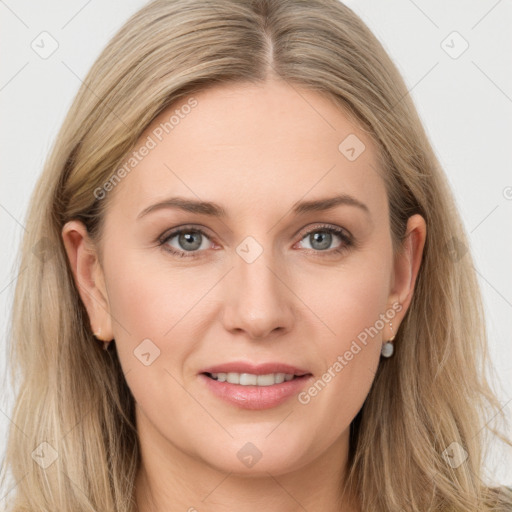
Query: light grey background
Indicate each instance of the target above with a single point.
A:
(464, 102)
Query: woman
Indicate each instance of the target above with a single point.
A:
(243, 208)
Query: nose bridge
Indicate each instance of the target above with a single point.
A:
(259, 302)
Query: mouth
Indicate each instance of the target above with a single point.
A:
(252, 379)
(255, 387)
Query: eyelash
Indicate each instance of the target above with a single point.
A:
(347, 241)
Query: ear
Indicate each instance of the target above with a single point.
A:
(89, 278)
(405, 269)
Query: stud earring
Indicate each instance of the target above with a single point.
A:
(97, 336)
(388, 347)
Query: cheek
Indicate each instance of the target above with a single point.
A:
(351, 300)
(151, 309)
(148, 300)
(157, 314)
(353, 305)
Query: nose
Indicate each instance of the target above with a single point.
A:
(258, 301)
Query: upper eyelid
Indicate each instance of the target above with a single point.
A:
(327, 227)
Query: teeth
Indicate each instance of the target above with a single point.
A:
(249, 379)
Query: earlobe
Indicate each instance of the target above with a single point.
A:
(88, 276)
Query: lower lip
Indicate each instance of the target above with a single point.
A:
(256, 397)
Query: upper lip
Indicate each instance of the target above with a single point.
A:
(255, 369)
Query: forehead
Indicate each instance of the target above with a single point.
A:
(251, 146)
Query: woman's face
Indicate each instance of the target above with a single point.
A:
(264, 283)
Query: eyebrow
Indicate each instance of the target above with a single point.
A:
(215, 210)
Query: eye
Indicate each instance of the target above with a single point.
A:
(189, 240)
(321, 238)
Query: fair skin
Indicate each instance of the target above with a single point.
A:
(256, 151)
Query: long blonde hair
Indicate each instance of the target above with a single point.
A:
(73, 396)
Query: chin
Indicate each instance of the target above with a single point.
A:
(257, 455)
